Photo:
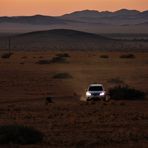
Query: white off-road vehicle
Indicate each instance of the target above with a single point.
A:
(96, 92)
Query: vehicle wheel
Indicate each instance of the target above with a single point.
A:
(107, 98)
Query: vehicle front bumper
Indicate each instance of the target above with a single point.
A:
(94, 97)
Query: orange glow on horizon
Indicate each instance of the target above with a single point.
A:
(59, 7)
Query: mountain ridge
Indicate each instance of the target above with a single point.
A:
(86, 12)
(80, 16)
(121, 12)
(86, 20)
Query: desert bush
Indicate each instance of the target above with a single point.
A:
(24, 57)
(62, 76)
(6, 55)
(127, 56)
(43, 62)
(104, 56)
(48, 100)
(18, 134)
(58, 59)
(65, 55)
(53, 60)
(22, 63)
(126, 93)
(40, 57)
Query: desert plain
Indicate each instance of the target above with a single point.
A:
(27, 79)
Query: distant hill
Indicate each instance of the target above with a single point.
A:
(59, 39)
(62, 34)
(66, 39)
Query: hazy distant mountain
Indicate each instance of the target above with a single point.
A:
(122, 16)
(121, 21)
(80, 16)
(144, 14)
(126, 12)
(93, 13)
(84, 13)
(35, 20)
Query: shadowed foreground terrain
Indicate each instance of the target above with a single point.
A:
(27, 78)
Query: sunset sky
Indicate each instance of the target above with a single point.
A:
(59, 7)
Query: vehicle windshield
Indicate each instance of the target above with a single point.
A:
(95, 88)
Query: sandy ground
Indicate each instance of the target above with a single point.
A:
(67, 122)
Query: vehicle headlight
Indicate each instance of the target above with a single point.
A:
(102, 93)
(88, 94)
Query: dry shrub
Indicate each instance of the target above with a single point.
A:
(6, 55)
(126, 93)
(104, 56)
(127, 56)
(65, 55)
(43, 62)
(58, 59)
(18, 134)
(62, 76)
(40, 57)
(24, 57)
(53, 60)
(48, 100)
(22, 63)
